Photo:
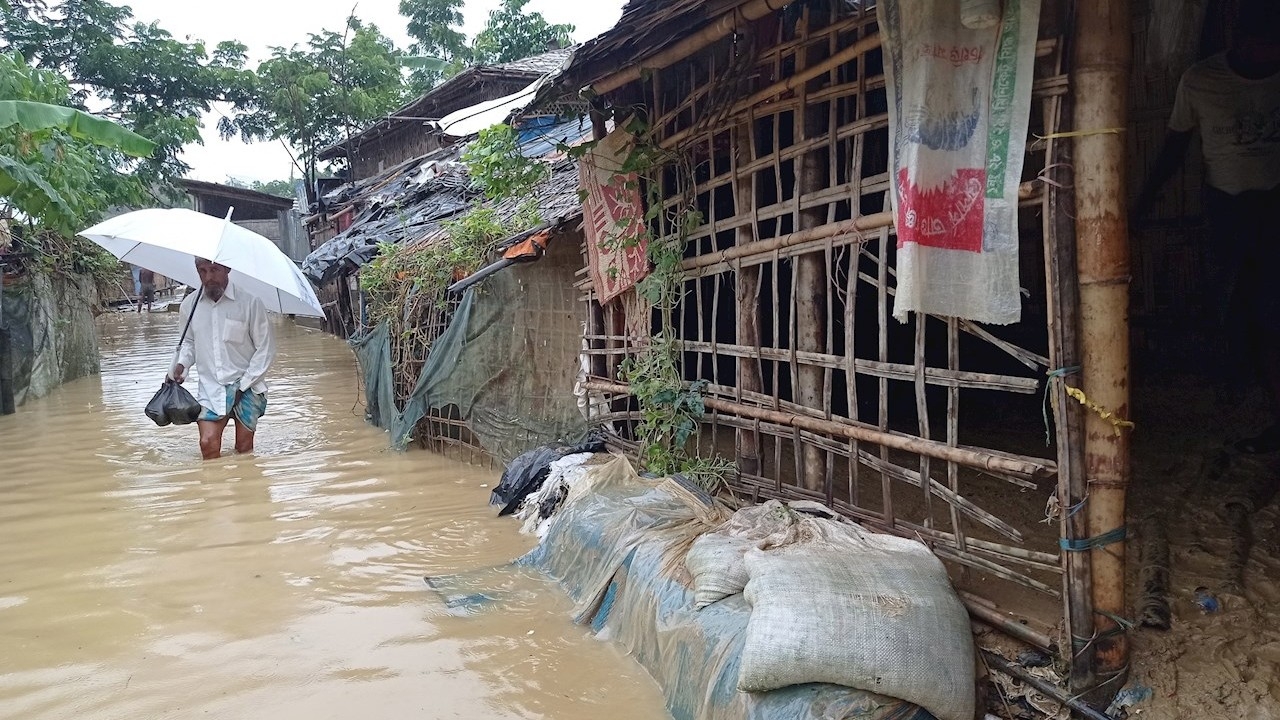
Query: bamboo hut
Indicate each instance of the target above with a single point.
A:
(1006, 448)
(775, 116)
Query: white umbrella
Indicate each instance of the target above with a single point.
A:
(167, 242)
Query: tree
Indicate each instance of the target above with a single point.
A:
(512, 34)
(60, 168)
(279, 188)
(318, 94)
(132, 72)
(435, 26)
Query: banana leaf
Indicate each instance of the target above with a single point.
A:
(34, 117)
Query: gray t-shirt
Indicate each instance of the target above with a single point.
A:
(1239, 123)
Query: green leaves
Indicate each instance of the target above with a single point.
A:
(60, 166)
(494, 163)
(316, 94)
(28, 191)
(136, 73)
(32, 117)
(512, 34)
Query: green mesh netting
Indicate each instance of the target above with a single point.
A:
(507, 363)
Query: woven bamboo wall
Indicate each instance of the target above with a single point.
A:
(814, 390)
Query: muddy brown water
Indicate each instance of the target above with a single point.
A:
(139, 582)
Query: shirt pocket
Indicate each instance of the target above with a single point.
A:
(234, 331)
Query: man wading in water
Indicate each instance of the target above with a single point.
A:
(230, 340)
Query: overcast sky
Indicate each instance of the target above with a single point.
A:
(261, 24)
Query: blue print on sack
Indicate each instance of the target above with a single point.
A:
(944, 131)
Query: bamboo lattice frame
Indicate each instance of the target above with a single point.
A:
(813, 388)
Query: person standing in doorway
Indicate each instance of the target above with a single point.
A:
(231, 343)
(1233, 100)
(146, 288)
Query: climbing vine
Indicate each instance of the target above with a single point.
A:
(501, 173)
(671, 411)
(406, 284)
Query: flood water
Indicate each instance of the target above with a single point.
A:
(139, 582)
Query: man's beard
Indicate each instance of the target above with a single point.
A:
(214, 292)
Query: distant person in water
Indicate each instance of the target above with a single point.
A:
(146, 288)
(231, 344)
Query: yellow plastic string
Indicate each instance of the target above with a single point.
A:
(1116, 421)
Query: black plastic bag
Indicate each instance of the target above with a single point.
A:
(172, 404)
(526, 473)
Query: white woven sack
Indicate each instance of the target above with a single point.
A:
(715, 560)
(716, 564)
(849, 607)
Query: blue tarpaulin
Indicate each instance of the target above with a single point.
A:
(611, 548)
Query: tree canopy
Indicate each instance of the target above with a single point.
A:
(94, 57)
(279, 188)
(135, 73)
(511, 33)
(316, 94)
(59, 168)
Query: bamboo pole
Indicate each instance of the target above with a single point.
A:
(822, 232)
(747, 297)
(1078, 706)
(1064, 352)
(809, 288)
(986, 612)
(737, 18)
(802, 76)
(857, 431)
(1101, 74)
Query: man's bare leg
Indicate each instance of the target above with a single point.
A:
(244, 439)
(211, 437)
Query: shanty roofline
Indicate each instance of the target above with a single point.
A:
(653, 34)
(455, 88)
(199, 187)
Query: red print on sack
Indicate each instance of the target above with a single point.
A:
(948, 217)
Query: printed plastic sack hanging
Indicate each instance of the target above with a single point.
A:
(959, 102)
(172, 404)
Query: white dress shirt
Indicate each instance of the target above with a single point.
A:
(230, 341)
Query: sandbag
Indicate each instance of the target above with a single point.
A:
(838, 604)
(715, 561)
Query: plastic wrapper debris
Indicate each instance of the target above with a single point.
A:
(539, 506)
(837, 603)
(526, 473)
(611, 547)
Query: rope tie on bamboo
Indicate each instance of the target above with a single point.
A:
(1044, 406)
(1110, 537)
(1053, 509)
(1123, 625)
